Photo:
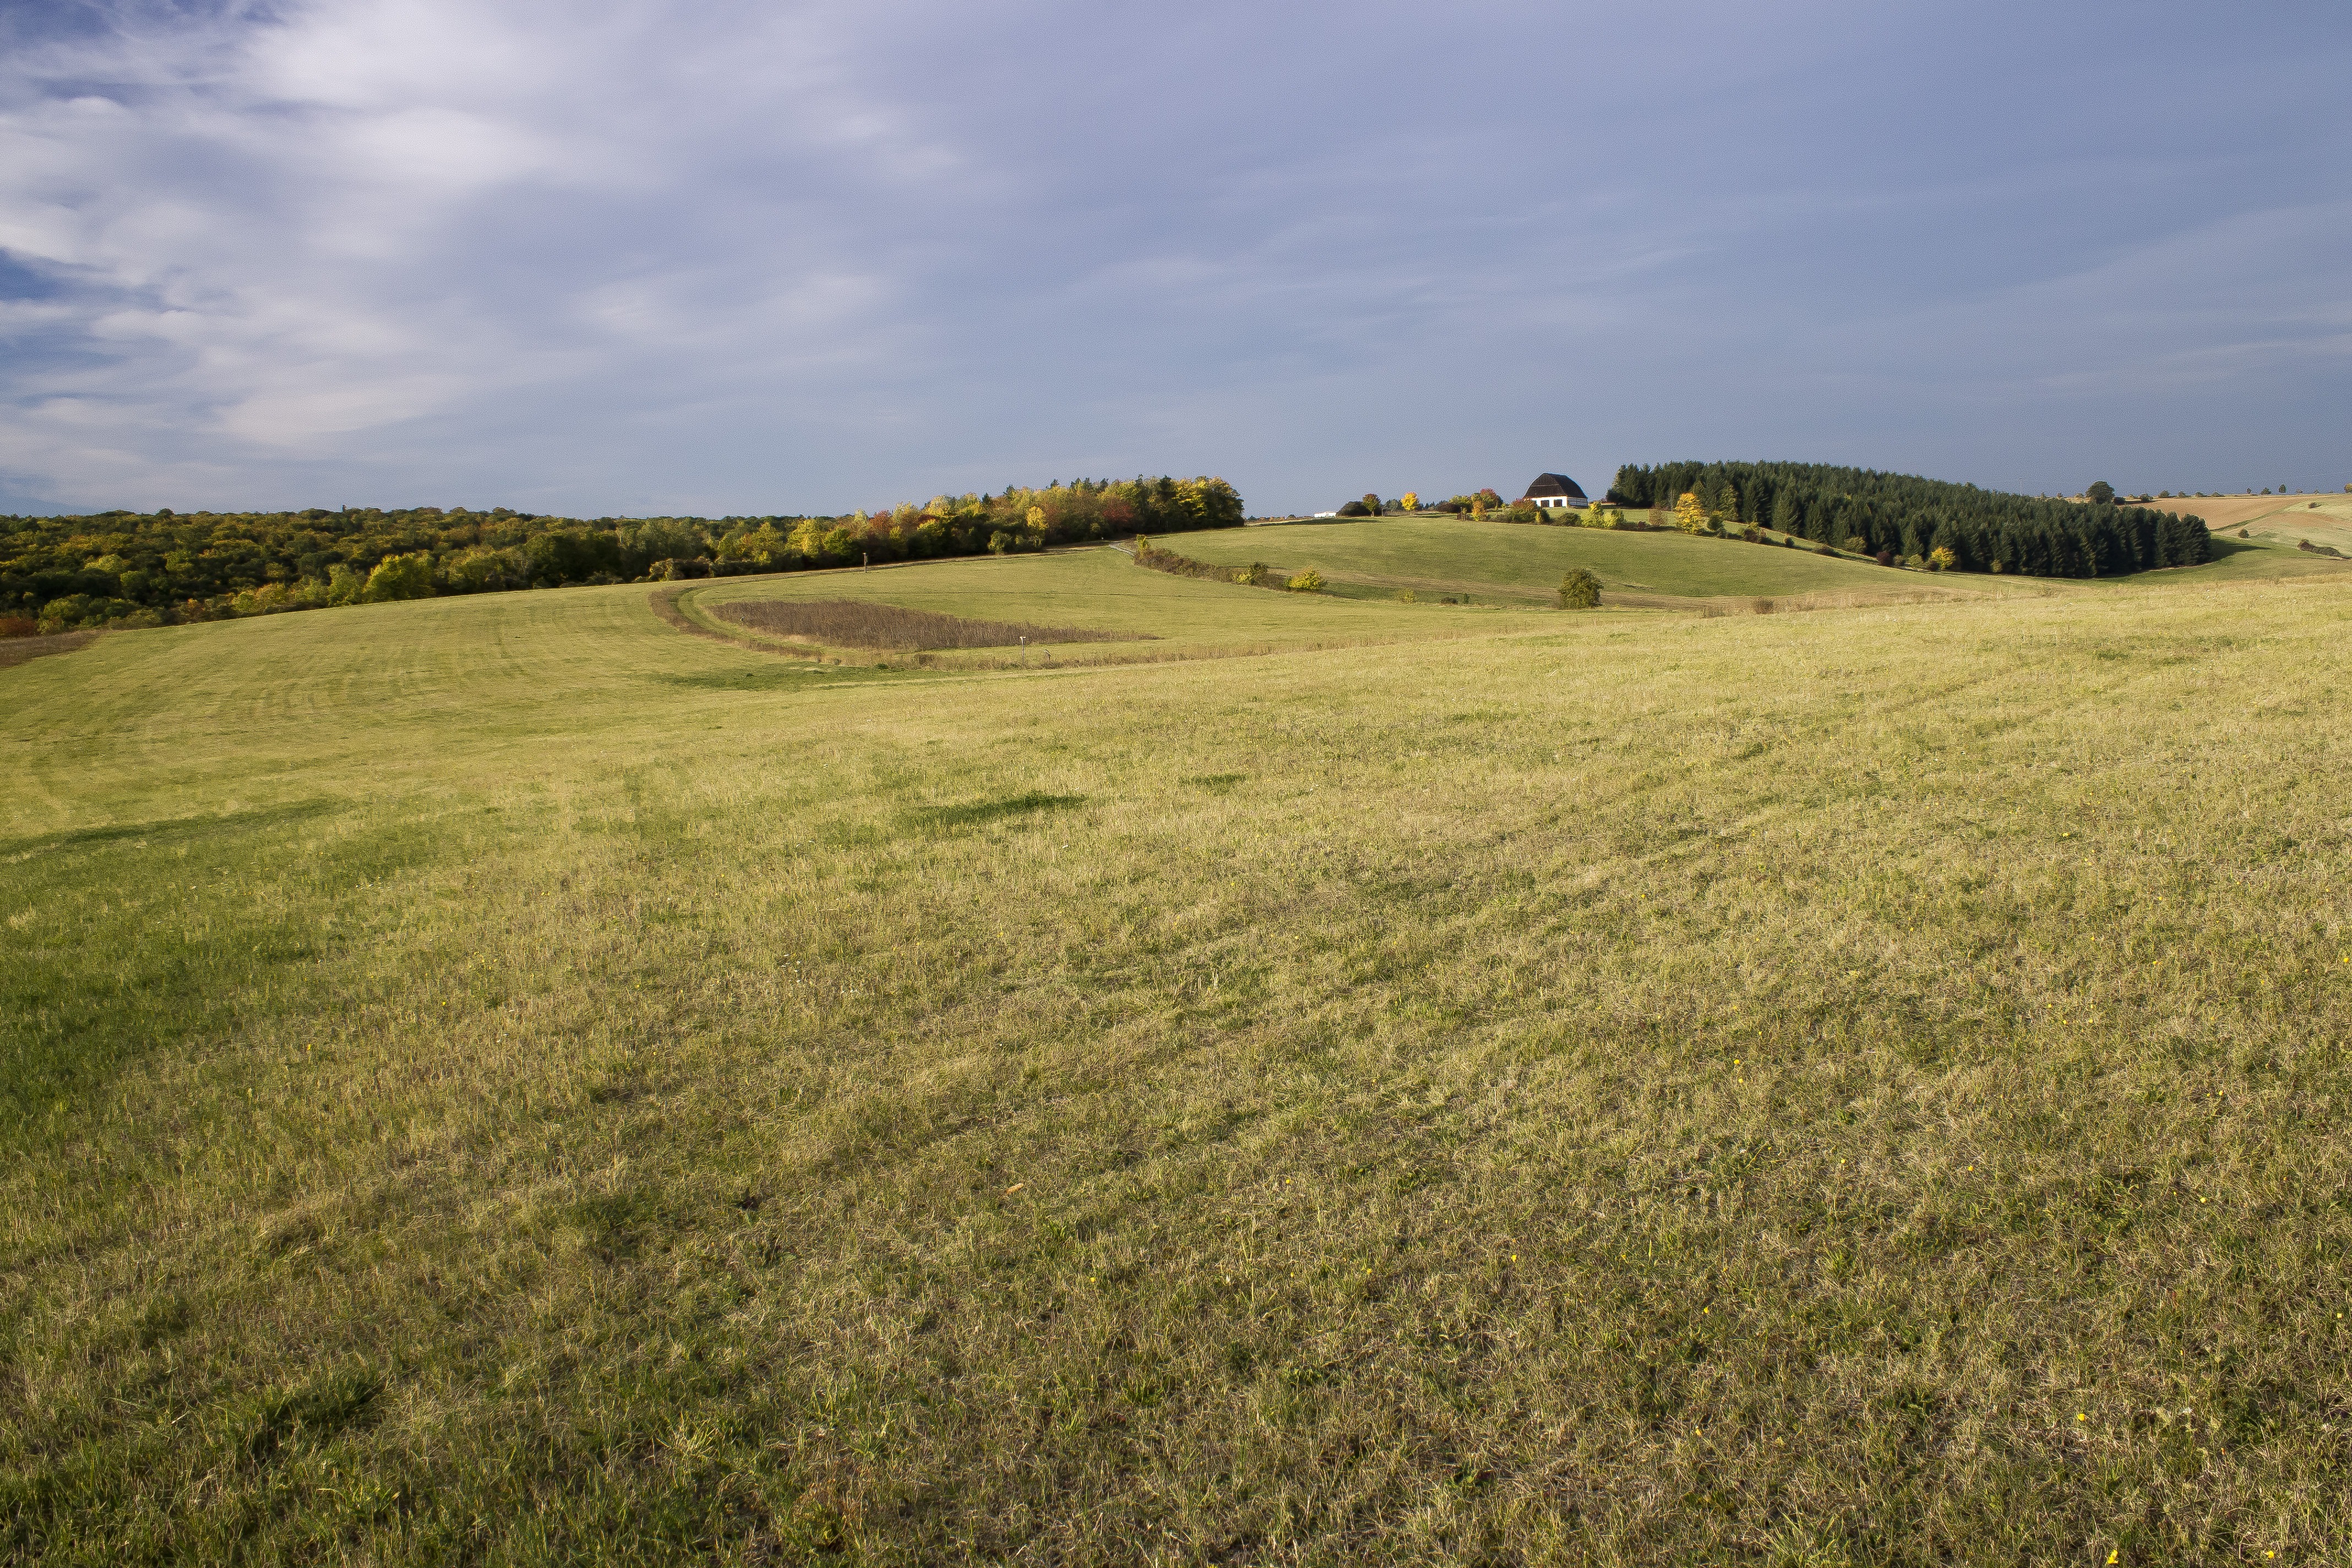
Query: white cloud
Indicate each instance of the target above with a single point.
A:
(738, 255)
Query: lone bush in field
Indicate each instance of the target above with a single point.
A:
(1941, 558)
(1307, 582)
(1857, 545)
(1579, 589)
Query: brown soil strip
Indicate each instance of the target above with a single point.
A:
(851, 623)
(665, 604)
(20, 650)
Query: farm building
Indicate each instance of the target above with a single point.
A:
(1550, 491)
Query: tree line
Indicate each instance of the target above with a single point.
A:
(1904, 516)
(160, 568)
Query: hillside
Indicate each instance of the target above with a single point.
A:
(1513, 562)
(504, 1078)
(1105, 590)
(2284, 519)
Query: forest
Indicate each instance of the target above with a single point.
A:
(145, 569)
(1904, 516)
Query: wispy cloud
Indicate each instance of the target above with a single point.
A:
(611, 256)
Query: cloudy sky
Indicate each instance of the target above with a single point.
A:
(615, 256)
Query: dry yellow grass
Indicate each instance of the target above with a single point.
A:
(499, 1079)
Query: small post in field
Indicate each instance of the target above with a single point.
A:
(1024, 653)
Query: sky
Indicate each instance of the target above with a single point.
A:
(723, 258)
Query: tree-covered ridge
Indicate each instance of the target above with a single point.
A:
(130, 569)
(1907, 516)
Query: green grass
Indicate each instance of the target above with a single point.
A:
(501, 1079)
(1525, 562)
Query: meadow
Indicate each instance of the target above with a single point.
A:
(502, 1079)
(1522, 563)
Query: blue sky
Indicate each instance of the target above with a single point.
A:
(729, 256)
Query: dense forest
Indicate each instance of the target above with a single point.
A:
(129, 569)
(1902, 516)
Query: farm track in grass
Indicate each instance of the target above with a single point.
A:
(494, 1078)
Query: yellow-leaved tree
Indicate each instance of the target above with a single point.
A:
(1411, 499)
(1690, 514)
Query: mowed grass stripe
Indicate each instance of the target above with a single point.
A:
(1650, 1088)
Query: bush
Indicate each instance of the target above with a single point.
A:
(1253, 575)
(400, 577)
(1857, 545)
(1307, 582)
(1942, 558)
(1355, 508)
(1825, 550)
(1579, 589)
(18, 627)
(1887, 558)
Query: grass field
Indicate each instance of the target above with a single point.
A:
(1105, 590)
(2274, 523)
(501, 1079)
(1506, 562)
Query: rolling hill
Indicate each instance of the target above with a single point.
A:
(511, 1078)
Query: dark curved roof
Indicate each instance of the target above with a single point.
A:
(1555, 484)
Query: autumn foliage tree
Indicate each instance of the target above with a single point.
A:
(128, 569)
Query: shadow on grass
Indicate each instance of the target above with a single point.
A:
(168, 828)
(973, 812)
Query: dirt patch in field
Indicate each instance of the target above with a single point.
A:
(18, 651)
(849, 623)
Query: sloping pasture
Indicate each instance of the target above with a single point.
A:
(501, 1079)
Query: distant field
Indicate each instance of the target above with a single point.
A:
(2322, 518)
(1504, 564)
(1105, 590)
(502, 1080)
(1523, 561)
(2236, 511)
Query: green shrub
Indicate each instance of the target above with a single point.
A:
(1579, 589)
(1857, 545)
(1307, 582)
(400, 577)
